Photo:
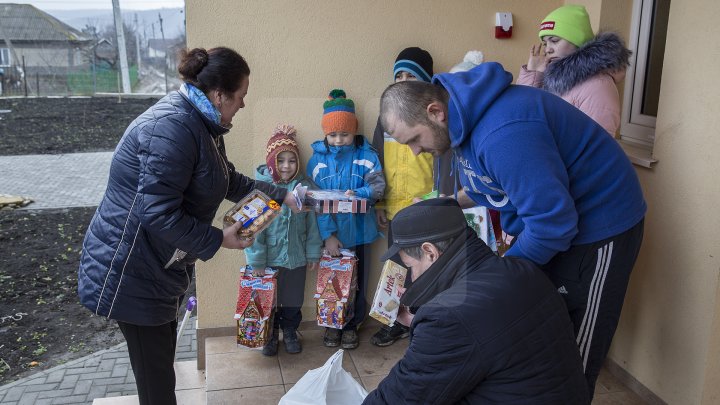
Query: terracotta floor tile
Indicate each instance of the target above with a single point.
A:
(242, 369)
(373, 360)
(268, 395)
(370, 382)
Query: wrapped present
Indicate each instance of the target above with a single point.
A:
(255, 211)
(386, 303)
(478, 218)
(335, 289)
(255, 305)
(329, 201)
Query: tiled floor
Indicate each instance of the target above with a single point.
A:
(237, 375)
(234, 374)
(268, 378)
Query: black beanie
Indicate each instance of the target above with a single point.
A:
(416, 61)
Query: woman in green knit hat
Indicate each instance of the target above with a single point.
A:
(578, 66)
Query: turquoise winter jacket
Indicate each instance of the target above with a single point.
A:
(291, 240)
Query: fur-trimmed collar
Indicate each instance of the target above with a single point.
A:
(604, 53)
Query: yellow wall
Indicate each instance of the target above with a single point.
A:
(669, 332)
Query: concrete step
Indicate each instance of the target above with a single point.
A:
(189, 387)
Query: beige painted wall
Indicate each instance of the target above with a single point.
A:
(669, 333)
(298, 51)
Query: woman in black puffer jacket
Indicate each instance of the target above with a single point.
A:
(168, 176)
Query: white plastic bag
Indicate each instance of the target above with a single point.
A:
(327, 385)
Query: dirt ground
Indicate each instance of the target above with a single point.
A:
(65, 125)
(42, 323)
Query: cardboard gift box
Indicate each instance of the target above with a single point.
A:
(329, 201)
(255, 307)
(386, 302)
(255, 211)
(335, 289)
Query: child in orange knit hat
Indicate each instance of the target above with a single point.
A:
(344, 160)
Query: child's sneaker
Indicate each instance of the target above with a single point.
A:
(387, 335)
(332, 337)
(292, 343)
(350, 339)
(271, 346)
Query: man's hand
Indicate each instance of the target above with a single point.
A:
(464, 200)
(537, 60)
(333, 246)
(381, 217)
(291, 203)
(404, 316)
(233, 240)
(349, 193)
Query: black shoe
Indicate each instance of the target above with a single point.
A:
(271, 346)
(292, 343)
(350, 339)
(332, 337)
(388, 335)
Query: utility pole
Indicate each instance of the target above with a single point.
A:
(122, 52)
(137, 43)
(162, 33)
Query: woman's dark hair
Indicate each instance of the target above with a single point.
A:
(214, 69)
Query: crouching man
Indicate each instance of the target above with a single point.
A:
(486, 329)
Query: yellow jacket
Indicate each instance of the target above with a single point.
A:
(407, 176)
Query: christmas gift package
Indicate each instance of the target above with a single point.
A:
(335, 289)
(255, 307)
(386, 303)
(255, 211)
(329, 201)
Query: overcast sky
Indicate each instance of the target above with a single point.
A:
(101, 4)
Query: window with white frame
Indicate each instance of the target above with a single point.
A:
(4, 57)
(642, 83)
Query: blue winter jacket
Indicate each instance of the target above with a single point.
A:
(490, 330)
(553, 173)
(344, 168)
(168, 176)
(291, 240)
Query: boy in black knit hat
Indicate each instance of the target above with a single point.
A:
(408, 176)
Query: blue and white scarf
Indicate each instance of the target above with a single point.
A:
(200, 100)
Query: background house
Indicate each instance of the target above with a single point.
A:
(49, 47)
(668, 342)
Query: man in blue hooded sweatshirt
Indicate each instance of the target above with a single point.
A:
(564, 189)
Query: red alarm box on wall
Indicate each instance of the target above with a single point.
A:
(503, 25)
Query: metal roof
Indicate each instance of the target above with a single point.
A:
(24, 22)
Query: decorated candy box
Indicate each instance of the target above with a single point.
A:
(255, 211)
(386, 303)
(335, 289)
(329, 201)
(255, 305)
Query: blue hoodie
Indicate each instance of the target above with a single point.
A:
(553, 173)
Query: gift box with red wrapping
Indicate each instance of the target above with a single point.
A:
(255, 307)
(335, 289)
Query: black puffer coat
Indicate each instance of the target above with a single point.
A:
(168, 176)
(487, 330)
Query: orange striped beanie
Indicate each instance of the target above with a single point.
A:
(339, 114)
